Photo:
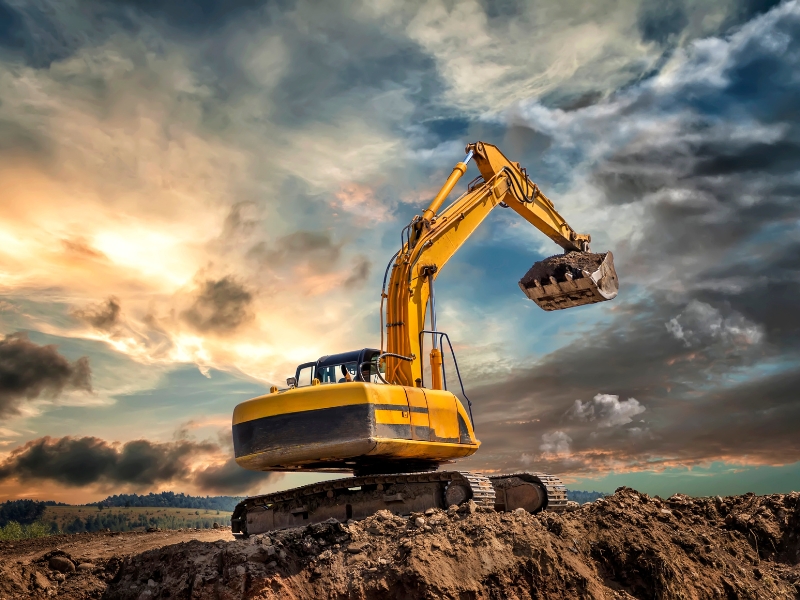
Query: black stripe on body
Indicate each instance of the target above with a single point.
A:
(328, 426)
(397, 431)
(321, 426)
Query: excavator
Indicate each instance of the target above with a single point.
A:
(372, 413)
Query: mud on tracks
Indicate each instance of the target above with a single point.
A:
(628, 545)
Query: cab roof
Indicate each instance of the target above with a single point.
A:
(347, 357)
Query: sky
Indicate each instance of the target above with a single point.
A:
(196, 196)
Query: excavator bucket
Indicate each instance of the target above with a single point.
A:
(571, 279)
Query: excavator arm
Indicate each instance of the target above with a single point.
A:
(433, 238)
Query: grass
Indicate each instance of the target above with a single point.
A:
(14, 531)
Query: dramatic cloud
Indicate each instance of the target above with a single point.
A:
(138, 464)
(212, 184)
(220, 307)
(692, 177)
(556, 443)
(607, 410)
(29, 371)
(101, 316)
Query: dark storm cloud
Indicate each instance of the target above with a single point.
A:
(360, 271)
(660, 20)
(35, 32)
(199, 16)
(81, 461)
(220, 306)
(315, 247)
(711, 353)
(29, 371)
(228, 478)
(104, 315)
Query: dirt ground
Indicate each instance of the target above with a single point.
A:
(625, 546)
(25, 572)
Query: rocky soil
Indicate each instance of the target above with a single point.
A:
(559, 264)
(81, 565)
(625, 546)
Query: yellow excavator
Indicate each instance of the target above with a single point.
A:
(372, 414)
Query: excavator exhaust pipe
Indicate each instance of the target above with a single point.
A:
(571, 279)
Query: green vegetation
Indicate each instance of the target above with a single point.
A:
(172, 500)
(22, 512)
(73, 519)
(14, 531)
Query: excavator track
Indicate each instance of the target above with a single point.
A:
(359, 497)
(531, 491)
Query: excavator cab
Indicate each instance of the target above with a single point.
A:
(358, 365)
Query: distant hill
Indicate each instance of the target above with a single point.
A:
(172, 500)
(583, 497)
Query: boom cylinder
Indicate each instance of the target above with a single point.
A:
(436, 369)
(436, 204)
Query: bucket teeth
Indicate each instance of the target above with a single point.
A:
(572, 279)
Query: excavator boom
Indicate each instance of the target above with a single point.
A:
(575, 278)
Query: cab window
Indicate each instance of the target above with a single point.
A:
(305, 375)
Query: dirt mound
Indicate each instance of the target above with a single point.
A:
(560, 264)
(625, 546)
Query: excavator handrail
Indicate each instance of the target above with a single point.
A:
(444, 335)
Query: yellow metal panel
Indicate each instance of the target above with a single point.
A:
(443, 416)
(418, 406)
(464, 415)
(422, 449)
(302, 399)
(392, 417)
(387, 394)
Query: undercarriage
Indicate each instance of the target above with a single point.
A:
(359, 497)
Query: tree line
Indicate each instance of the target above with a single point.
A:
(172, 500)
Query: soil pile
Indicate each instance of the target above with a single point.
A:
(628, 545)
(561, 264)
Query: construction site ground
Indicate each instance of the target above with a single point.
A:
(627, 545)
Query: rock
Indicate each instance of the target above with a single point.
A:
(151, 529)
(357, 547)
(469, 507)
(430, 511)
(272, 564)
(419, 522)
(572, 506)
(40, 581)
(519, 511)
(384, 515)
(59, 577)
(61, 564)
(83, 567)
(215, 526)
(262, 555)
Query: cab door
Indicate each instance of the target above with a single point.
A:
(418, 411)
